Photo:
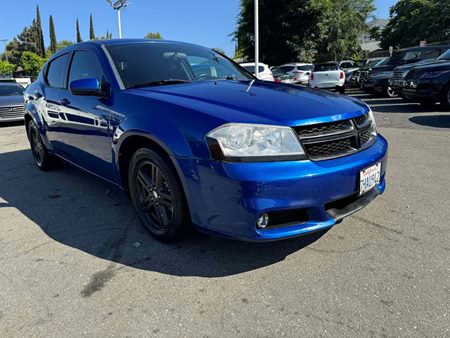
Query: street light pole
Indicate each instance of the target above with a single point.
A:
(120, 23)
(256, 37)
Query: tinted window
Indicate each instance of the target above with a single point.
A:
(346, 65)
(11, 89)
(411, 57)
(85, 65)
(145, 64)
(430, 54)
(251, 69)
(305, 68)
(445, 56)
(326, 67)
(285, 69)
(56, 73)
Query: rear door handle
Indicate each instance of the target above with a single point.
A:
(64, 102)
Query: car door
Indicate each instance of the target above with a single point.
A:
(88, 121)
(49, 100)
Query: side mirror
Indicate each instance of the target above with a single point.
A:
(87, 87)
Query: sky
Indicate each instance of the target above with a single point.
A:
(205, 22)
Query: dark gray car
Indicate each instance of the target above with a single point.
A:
(11, 102)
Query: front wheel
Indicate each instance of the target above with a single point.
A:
(41, 157)
(445, 97)
(390, 92)
(157, 195)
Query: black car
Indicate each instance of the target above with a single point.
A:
(11, 101)
(428, 84)
(396, 82)
(377, 81)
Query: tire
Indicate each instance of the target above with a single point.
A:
(157, 196)
(41, 157)
(341, 89)
(389, 92)
(445, 98)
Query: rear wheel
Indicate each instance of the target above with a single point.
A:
(341, 89)
(157, 195)
(41, 157)
(445, 97)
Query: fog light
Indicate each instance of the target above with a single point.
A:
(262, 221)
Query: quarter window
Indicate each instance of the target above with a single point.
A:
(85, 65)
(56, 73)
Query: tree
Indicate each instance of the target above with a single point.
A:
(78, 33)
(345, 21)
(289, 30)
(156, 36)
(31, 63)
(39, 37)
(6, 68)
(107, 36)
(412, 21)
(91, 29)
(23, 42)
(53, 44)
(219, 50)
(63, 44)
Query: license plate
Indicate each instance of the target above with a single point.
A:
(369, 178)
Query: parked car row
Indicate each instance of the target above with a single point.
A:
(11, 101)
(387, 78)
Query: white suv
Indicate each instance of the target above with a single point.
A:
(264, 72)
(298, 72)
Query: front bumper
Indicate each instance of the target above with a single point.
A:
(228, 198)
(422, 90)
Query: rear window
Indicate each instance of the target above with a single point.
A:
(11, 89)
(251, 69)
(327, 67)
(285, 69)
(305, 68)
(56, 73)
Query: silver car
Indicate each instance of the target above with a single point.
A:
(11, 102)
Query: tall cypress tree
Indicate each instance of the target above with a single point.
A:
(39, 35)
(78, 32)
(53, 44)
(91, 29)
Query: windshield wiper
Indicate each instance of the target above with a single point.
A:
(159, 83)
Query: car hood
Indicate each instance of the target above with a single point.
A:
(258, 102)
(435, 66)
(7, 101)
(381, 75)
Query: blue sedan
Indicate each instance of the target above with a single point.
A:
(197, 140)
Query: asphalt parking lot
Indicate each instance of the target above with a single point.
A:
(75, 261)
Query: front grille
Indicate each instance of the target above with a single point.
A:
(11, 112)
(412, 75)
(336, 139)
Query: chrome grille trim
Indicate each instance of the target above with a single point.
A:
(11, 112)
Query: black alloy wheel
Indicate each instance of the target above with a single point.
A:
(390, 92)
(157, 196)
(41, 157)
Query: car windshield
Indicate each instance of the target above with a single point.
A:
(373, 63)
(326, 67)
(149, 64)
(305, 68)
(284, 69)
(361, 63)
(445, 56)
(11, 89)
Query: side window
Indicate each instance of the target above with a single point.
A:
(56, 73)
(85, 65)
(412, 57)
(430, 54)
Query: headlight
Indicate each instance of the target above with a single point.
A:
(432, 75)
(254, 142)
(374, 123)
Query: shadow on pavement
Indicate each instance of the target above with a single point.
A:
(436, 121)
(85, 213)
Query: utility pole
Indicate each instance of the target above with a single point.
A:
(4, 44)
(256, 37)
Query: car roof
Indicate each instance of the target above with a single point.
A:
(424, 47)
(112, 42)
